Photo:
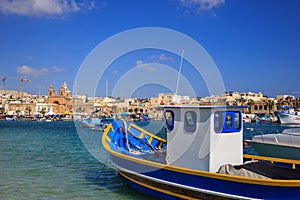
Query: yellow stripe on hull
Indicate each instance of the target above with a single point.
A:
(239, 179)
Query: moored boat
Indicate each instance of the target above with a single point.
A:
(201, 158)
(288, 115)
(282, 145)
(246, 118)
(103, 123)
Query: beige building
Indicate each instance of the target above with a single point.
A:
(61, 102)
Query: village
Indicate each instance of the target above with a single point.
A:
(23, 105)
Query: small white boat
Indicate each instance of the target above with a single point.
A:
(288, 115)
(280, 145)
(246, 118)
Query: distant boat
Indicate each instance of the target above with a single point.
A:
(89, 122)
(288, 115)
(9, 119)
(48, 120)
(262, 119)
(103, 123)
(280, 145)
(202, 158)
(247, 118)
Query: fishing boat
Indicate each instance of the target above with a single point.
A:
(246, 118)
(283, 145)
(202, 158)
(103, 123)
(89, 122)
(288, 115)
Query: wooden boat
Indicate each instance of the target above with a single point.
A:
(202, 158)
(281, 145)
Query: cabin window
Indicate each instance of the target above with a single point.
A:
(169, 117)
(237, 121)
(218, 121)
(190, 121)
(227, 121)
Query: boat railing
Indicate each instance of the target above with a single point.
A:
(144, 133)
(153, 140)
(293, 163)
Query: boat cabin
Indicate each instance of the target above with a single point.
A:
(204, 137)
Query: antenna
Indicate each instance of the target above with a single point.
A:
(177, 85)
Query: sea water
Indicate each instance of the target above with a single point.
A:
(40, 160)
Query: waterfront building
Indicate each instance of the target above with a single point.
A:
(20, 108)
(82, 105)
(60, 103)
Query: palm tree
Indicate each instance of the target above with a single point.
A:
(28, 109)
(250, 104)
(18, 111)
(43, 111)
(271, 104)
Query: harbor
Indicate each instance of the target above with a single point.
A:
(60, 105)
(40, 155)
(49, 161)
(130, 100)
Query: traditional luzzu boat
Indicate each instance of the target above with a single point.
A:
(202, 158)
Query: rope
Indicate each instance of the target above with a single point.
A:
(126, 135)
(127, 141)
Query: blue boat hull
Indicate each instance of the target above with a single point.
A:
(148, 171)
(154, 180)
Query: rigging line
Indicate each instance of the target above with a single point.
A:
(179, 73)
(126, 134)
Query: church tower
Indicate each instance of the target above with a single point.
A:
(51, 91)
(64, 91)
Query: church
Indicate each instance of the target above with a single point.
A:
(61, 103)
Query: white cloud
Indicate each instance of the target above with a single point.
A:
(43, 7)
(29, 71)
(200, 6)
(26, 70)
(57, 69)
(161, 57)
(139, 62)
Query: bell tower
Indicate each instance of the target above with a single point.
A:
(51, 91)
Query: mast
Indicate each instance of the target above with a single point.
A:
(106, 88)
(179, 73)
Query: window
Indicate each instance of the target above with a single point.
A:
(237, 121)
(227, 121)
(169, 117)
(190, 121)
(218, 121)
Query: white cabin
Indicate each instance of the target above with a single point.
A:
(204, 137)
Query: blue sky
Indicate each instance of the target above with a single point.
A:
(254, 43)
